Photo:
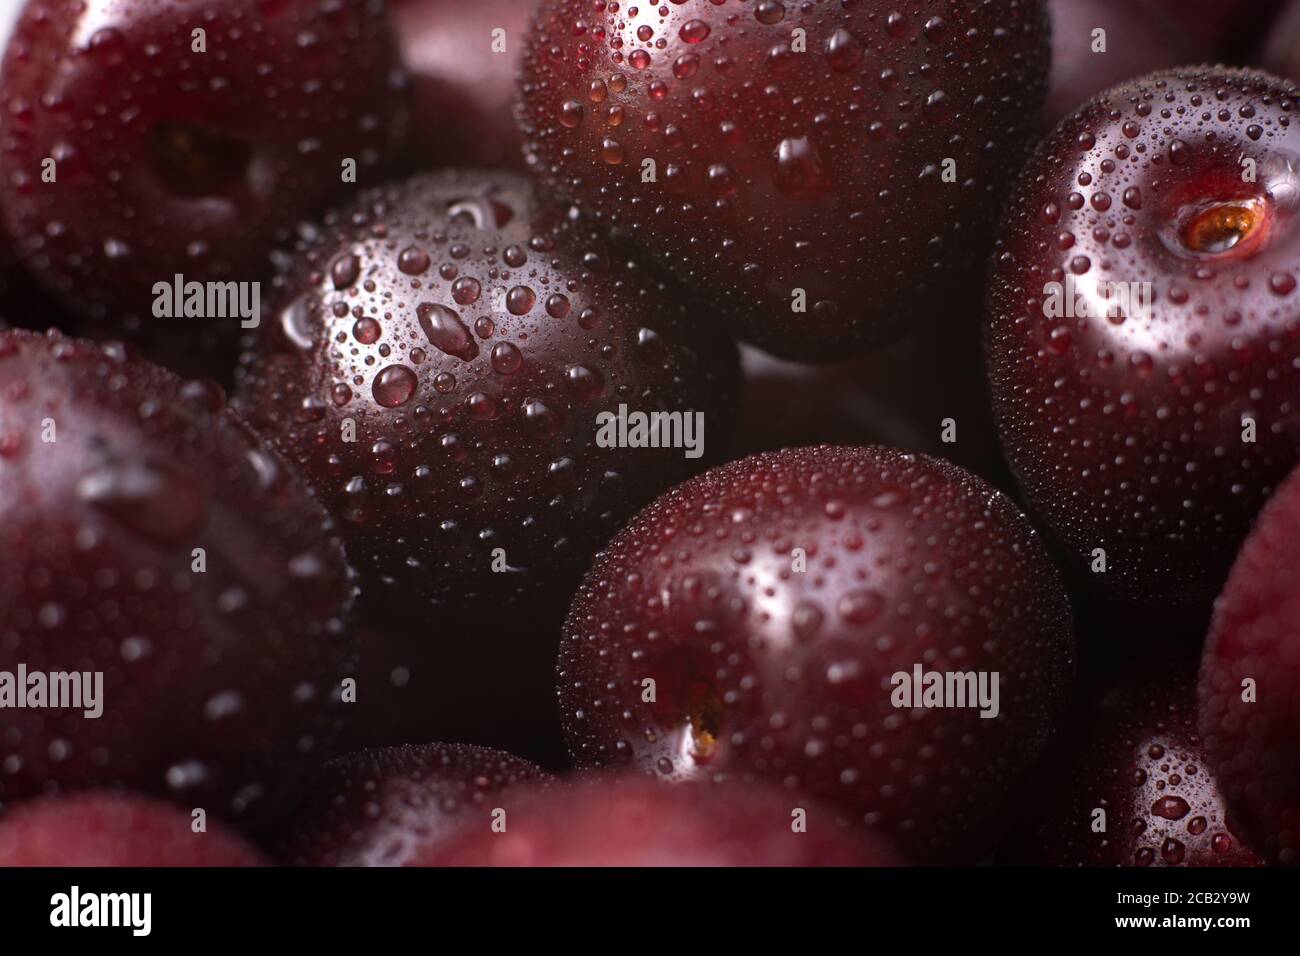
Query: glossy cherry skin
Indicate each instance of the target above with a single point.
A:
(472, 336)
(102, 829)
(1254, 744)
(393, 807)
(637, 821)
(1140, 37)
(463, 79)
(763, 671)
(1133, 752)
(800, 195)
(170, 160)
(148, 536)
(1127, 422)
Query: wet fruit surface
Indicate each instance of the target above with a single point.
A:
(1250, 681)
(1131, 786)
(393, 807)
(149, 539)
(1144, 339)
(639, 822)
(440, 366)
(821, 174)
(751, 623)
(463, 59)
(146, 138)
(108, 829)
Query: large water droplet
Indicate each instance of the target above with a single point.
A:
(394, 386)
(445, 330)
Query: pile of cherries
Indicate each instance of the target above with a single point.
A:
(366, 583)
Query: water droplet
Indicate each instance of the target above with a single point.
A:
(394, 386)
(694, 31)
(506, 358)
(799, 173)
(557, 306)
(571, 114)
(345, 271)
(1173, 852)
(520, 300)
(935, 29)
(860, 606)
(466, 290)
(445, 330)
(582, 383)
(843, 51)
(413, 261)
(1171, 808)
(366, 330)
(611, 151)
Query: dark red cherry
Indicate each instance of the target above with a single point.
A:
(114, 830)
(1144, 330)
(1130, 785)
(175, 572)
(821, 175)
(639, 822)
(143, 139)
(448, 364)
(1250, 681)
(463, 59)
(767, 619)
(394, 807)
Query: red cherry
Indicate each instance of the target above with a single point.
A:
(185, 137)
(1250, 680)
(823, 175)
(1132, 786)
(697, 648)
(1148, 428)
(149, 539)
(444, 355)
(111, 829)
(639, 822)
(394, 807)
(463, 78)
